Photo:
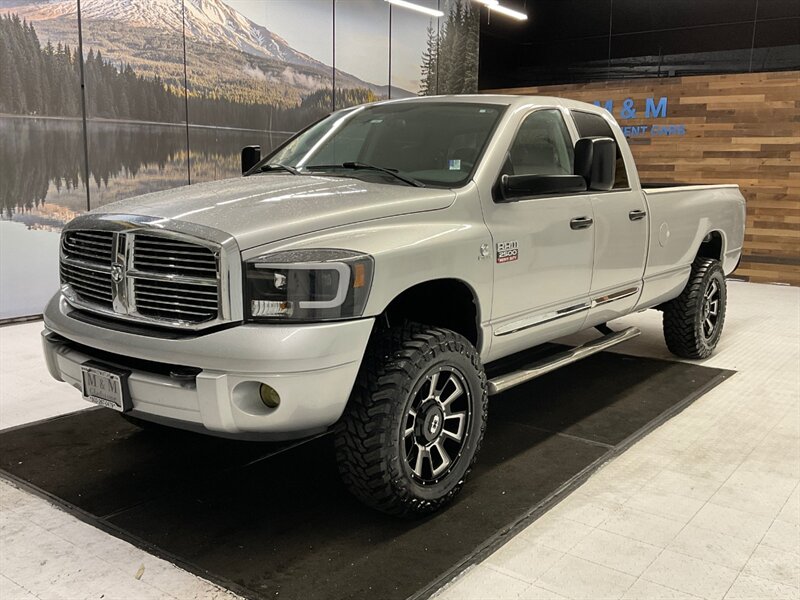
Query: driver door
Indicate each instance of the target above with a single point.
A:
(544, 245)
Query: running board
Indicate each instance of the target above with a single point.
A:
(537, 369)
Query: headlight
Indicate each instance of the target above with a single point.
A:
(307, 285)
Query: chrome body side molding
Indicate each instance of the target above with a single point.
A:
(547, 317)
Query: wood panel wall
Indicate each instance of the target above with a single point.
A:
(743, 129)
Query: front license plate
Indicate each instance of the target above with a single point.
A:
(106, 386)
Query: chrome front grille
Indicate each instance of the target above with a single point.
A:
(164, 255)
(89, 284)
(163, 278)
(193, 296)
(86, 258)
(168, 300)
(89, 246)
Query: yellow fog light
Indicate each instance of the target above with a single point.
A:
(269, 397)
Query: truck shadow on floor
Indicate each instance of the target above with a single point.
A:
(271, 520)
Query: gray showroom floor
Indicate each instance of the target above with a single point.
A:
(706, 506)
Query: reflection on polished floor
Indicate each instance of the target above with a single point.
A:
(706, 506)
(711, 496)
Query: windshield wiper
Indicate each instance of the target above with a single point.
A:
(355, 166)
(279, 167)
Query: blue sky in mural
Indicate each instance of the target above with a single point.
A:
(409, 36)
(307, 26)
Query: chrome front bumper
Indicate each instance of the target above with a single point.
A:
(312, 367)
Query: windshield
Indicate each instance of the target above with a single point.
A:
(431, 143)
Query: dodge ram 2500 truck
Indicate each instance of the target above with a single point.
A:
(358, 279)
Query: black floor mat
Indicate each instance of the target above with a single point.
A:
(273, 520)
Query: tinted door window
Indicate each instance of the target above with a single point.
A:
(591, 125)
(542, 146)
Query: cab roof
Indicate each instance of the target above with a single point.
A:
(511, 100)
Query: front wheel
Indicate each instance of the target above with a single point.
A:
(415, 420)
(693, 321)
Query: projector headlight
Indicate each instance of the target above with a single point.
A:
(307, 285)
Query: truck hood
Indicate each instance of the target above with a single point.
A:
(260, 209)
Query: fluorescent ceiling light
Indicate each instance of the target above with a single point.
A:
(489, 2)
(514, 14)
(423, 9)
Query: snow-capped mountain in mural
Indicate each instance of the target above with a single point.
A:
(212, 21)
(209, 22)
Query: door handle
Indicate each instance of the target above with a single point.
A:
(581, 223)
(637, 215)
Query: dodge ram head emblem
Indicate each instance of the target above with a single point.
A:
(117, 272)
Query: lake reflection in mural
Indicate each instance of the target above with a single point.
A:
(42, 173)
(42, 184)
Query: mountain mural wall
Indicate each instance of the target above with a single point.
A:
(174, 88)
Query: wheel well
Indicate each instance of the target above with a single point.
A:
(711, 247)
(447, 303)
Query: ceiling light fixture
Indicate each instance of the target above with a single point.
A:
(494, 5)
(423, 9)
(514, 14)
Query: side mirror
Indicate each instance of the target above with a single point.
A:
(514, 187)
(596, 162)
(250, 157)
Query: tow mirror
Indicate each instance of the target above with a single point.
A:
(250, 157)
(596, 162)
(516, 187)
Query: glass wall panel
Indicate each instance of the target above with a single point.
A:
(134, 98)
(694, 51)
(776, 45)
(248, 84)
(227, 90)
(413, 41)
(637, 16)
(301, 80)
(362, 51)
(778, 9)
(457, 65)
(41, 149)
(566, 41)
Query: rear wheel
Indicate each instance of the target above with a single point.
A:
(693, 321)
(415, 420)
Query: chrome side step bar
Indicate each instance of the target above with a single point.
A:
(537, 369)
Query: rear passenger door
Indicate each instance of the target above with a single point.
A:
(543, 261)
(620, 233)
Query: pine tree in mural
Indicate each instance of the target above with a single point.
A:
(472, 39)
(450, 60)
(35, 80)
(428, 83)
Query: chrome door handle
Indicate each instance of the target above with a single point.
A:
(581, 223)
(637, 215)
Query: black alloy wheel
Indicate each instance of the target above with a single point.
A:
(437, 425)
(693, 321)
(415, 420)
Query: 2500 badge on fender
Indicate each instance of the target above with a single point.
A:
(507, 251)
(344, 284)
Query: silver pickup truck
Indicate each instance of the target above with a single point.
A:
(359, 278)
